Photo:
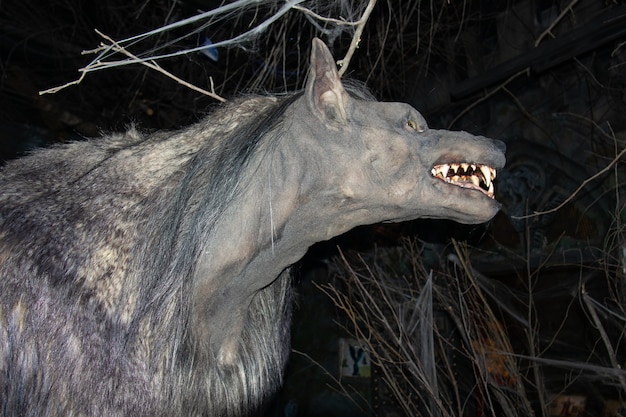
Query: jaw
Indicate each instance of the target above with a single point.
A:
(464, 204)
(469, 189)
(463, 182)
(446, 201)
(465, 195)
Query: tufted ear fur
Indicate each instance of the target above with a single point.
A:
(324, 93)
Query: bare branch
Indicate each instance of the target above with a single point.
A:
(153, 65)
(582, 186)
(106, 52)
(548, 31)
(605, 338)
(487, 96)
(343, 63)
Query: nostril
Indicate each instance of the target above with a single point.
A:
(501, 145)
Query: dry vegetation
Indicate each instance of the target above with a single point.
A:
(442, 338)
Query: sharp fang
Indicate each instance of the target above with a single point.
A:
(487, 174)
(461, 174)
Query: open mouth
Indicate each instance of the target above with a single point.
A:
(474, 176)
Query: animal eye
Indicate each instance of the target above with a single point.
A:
(412, 124)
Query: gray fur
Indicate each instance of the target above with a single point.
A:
(148, 275)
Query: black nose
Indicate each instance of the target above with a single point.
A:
(501, 145)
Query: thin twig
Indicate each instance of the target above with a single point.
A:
(605, 338)
(343, 63)
(104, 50)
(342, 389)
(582, 185)
(548, 31)
(338, 22)
(153, 65)
(487, 96)
(61, 87)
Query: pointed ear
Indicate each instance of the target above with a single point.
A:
(324, 93)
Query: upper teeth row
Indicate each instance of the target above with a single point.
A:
(488, 172)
